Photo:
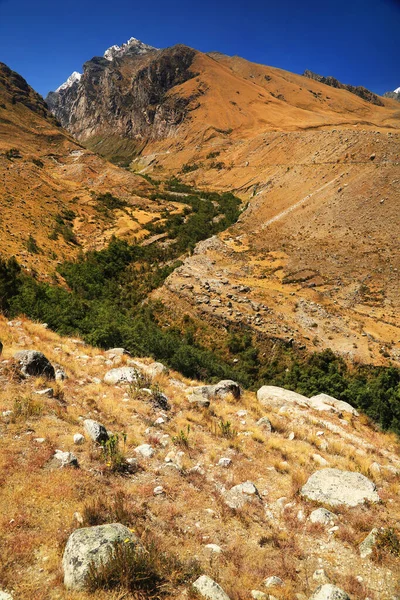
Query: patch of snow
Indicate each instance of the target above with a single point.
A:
(133, 43)
(70, 81)
(397, 91)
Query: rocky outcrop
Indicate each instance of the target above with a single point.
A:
(270, 395)
(335, 487)
(91, 545)
(34, 363)
(360, 91)
(130, 96)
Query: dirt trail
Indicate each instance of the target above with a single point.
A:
(297, 204)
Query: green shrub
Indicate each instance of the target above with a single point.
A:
(12, 153)
(31, 245)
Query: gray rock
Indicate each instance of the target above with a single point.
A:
(367, 546)
(152, 370)
(79, 439)
(270, 395)
(5, 596)
(203, 394)
(273, 581)
(62, 459)
(224, 462)
(121, 375)
(145, 450)
(91, 545)
(320, 576)
(257, 595)
(60, 374)
(214, 548)
(265, 423)
(226, 388)
(208, 588)
(329, 592)
(49, 392)
(323, 516)
(240, 494)
(96, 431)
(117, 351)
(335, 487)
(32, 362)
(325, 402)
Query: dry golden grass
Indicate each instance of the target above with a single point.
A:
(263, 538)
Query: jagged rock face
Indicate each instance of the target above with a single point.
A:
(127, 96)
(358, 90)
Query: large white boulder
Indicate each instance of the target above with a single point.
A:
(91, 545)
(335, 487)
(270, 395)
(329, 403)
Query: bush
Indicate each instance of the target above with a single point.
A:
(12, 153)
(31, 245)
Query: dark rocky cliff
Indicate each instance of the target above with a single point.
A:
(360, 91)
(129, 97)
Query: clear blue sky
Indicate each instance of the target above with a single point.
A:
(356, 41)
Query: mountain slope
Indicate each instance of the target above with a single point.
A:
(50, 185)
(317, 166)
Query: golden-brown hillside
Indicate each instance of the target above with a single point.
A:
(180, 497)
(44, 173)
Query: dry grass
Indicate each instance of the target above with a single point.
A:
(39, 503)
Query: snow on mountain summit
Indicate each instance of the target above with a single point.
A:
(70, 81)
(132, 44)
(397, 91)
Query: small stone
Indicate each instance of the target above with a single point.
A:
(224, 462)
(240, 494)
(158, 490)
(257, 595)
(265, 423)
(145, 450)
(320, 576)
(213, 548)
(39, 440)
(273, 581)
(208, 588)
(367, 545)
(49, 392)
(323, 516)
(329, 592)
(79, 438)
(159, 421)
(291, 436)
(64, 459)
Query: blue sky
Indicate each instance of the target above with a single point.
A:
(356, 41)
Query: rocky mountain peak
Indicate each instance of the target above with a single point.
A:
(132, 46)
(75, 77)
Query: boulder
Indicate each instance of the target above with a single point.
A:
(335, 487)
(270, 395)
(121, 375)
(96, 431)
(329, 592)
(226, 388)
(32, 362)
(91, 545)
(367, 546)
(326, 402)
(240, 494)
(203, 394)
(208, 588)
(323, 516)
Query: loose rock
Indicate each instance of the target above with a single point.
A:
(329, 592)
(208, 588)
(91, 545)
(34, 363)
(335, 487)
(121, 375)
(240, 494)
(270, 395)
(322, 515)
(96, 431)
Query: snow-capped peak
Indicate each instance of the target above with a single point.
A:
(70, 81)
(397, 91)
(132, 44)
